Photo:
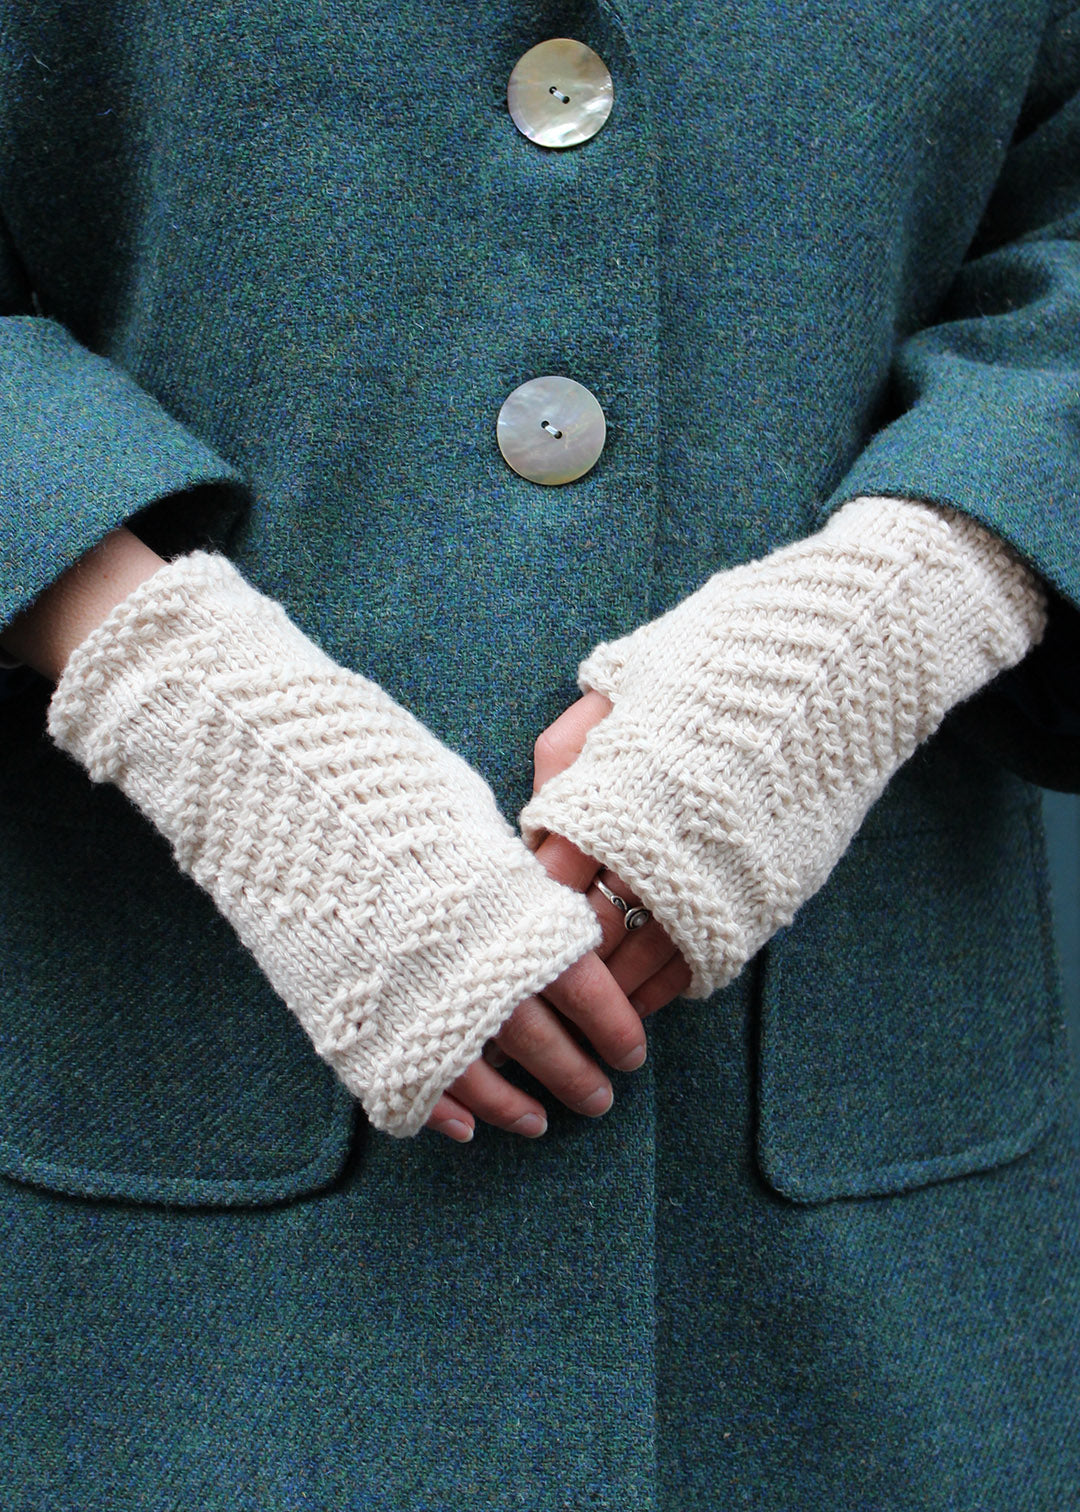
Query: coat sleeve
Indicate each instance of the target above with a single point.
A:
(83, 450)
(983, 411)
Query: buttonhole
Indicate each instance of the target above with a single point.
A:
(562, 99)
(547, 425)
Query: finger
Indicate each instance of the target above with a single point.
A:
(559, 746)
(637, 961)
(495, 1100)
(539, 1041)
(631, 955)
(564, 863)
(451, 1118)
(589, 997)
(493, 1055)
(613, 918)
(661, 989)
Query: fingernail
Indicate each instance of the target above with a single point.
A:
(598, 1103)
(635, 1059)
(531, 1125)
(455, 1129)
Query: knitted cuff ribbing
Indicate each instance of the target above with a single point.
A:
(364, 865)
(754, 725)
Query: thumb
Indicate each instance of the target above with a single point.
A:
(559, 746)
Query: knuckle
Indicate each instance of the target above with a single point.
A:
(527, 1032)
(577, 989)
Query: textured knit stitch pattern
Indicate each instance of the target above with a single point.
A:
(365, 866)
(754, 725)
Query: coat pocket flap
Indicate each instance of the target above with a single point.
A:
(143, 1055)
(910, 1022)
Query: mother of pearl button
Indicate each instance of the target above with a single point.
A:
(551, 430)
(560, 93)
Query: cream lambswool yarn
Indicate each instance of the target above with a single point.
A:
(364, 865)
(754, 725)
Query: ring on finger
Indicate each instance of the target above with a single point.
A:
(634, 916)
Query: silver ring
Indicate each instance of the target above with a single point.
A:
(633, 916)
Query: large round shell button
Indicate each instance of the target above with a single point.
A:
(551, 430)
(560, 93)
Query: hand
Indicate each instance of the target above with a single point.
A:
(643, 962)
(538, 1038)
(365, 866)
(754, 724)
(592, 995)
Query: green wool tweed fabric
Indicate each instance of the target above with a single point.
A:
(268, 273)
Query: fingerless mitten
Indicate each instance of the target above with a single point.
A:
(754, 725)
(364, 865)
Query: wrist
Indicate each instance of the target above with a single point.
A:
(45, 634)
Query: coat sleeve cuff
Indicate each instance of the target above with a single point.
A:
(82, 450)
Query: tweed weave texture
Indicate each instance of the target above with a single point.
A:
(364, 865)
(755, 724)
(301, 254)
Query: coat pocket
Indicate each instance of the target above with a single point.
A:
(911, 1028)
(143, 1055)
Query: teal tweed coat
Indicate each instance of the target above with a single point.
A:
(269, 269)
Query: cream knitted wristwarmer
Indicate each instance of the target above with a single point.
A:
(754, 725)
(364, 865)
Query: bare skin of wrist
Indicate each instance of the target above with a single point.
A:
(45, 634)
